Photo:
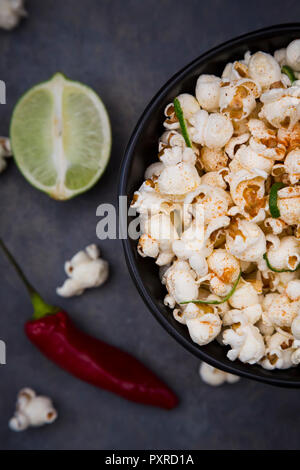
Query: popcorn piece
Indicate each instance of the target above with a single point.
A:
(276, 225)
(212, 130)
(289, 204)
(147, 201)
(214, 201)
(215, 178)
(191, 245)
(295, 327)
(216, 227)
(280, 56)
(154, 170)
(290, 138)
(205, 328)
(240, 127)
(264, 69)
(284, 81)
(278, 351)
(180, 283)
(293, 290)
(234, 143)
(215, 377)
(284, 253)
(251, 314)
(160, 227)
(192, 310)
(213, 159)
(11, 12)
(5, 152)
(173, 155)
(274, 282)
(178, 180)
(264, 141)
(281, 107)
(278, 310)
(293, 55)
(171, 122)
(238, 99)
(148, 246)
(292, 166)
(235, 71)
(85, 270)
(32, 410)
(189, 106)
(264, 328)
(248, 193)
(246, 343)
(224, 269)
(171, 138)
(244, 296)
(245, 240)
(208, 92)
(295, 357)
(248, 159)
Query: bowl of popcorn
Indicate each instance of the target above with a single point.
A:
(212, 171)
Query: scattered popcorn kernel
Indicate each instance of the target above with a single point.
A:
(11, 12)
(215, 377)
(32, 410)
(85, 270)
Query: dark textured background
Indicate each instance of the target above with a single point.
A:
(125, 50)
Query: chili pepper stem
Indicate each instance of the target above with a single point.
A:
(40, 307)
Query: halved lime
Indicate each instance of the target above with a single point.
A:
(60, 136)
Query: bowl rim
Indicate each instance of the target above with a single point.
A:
(123, 178)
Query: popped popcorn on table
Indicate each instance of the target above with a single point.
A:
(215, 377)
(229, 165)
(32, 410)
(85, 270)
(11, 12)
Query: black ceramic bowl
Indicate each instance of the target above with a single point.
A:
(142, 150)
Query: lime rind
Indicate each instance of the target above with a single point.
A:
(273, 205)
(289, 72)
(182, 122)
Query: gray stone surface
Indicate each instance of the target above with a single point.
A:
(125, 50)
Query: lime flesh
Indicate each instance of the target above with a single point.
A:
(60, 136)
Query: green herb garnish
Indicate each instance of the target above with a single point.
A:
(279, 270)
(216, 302)
(289, 72)
(275, 213)
(183, 126)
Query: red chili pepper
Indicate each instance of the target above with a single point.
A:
(88, 358)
